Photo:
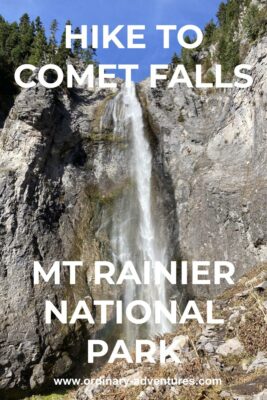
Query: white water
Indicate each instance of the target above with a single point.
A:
(134, 235)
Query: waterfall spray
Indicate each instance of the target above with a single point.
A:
(134, 231)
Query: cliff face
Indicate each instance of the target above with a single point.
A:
(214, 150)
(61, 169)
(57, 175)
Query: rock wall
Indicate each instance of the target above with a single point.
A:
(61, 169)
(213, 147)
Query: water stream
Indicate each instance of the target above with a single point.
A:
(134, 232)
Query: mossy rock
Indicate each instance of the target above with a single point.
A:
(181, 118)
(53, 396)
(106, 137)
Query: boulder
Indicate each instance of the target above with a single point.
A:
(230, 347)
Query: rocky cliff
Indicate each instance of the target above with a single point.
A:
(56, 178)
(62, 167)
(213, 147)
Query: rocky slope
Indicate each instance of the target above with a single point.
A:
(61, 169)
(233, 353)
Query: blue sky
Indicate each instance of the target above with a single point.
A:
(115, 12)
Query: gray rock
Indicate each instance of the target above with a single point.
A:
(38, 376)
(209, 340)
(61, 169)
(260, 362)
(231, 346)
(261, 287)
(51, 205)
(215, 157)
(259, 396)
(143, 396)
(87, 392)
(252, 390)
(234, 317)
(209, 348)
(225, 394)
(180, 342)
(134, 377)
(149, 390)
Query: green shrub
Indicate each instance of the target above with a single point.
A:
(181, 118)
(228, 54)
(209, 32)
(225, 36)
(25, 42)
(210, 77)
(255, 22)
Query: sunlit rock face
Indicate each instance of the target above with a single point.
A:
(63, 171)
(57, 176)
(213, 147)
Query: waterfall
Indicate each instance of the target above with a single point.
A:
(134, 233)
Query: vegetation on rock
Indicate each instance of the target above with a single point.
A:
(201, 357)
(239, 24)
(26, 42)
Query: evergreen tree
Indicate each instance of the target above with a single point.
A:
(188, 56)
(209, 31)
(221, 14)
(4, 34)
(175, 59)
(12, 45)
(63, 53)
(26, 42)
(87, 55)
(39, 47)
(77, 45)
(8, 89)
(37, 25)
(26, 37)
(228, 55)
(52, 47)
(255, 22)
